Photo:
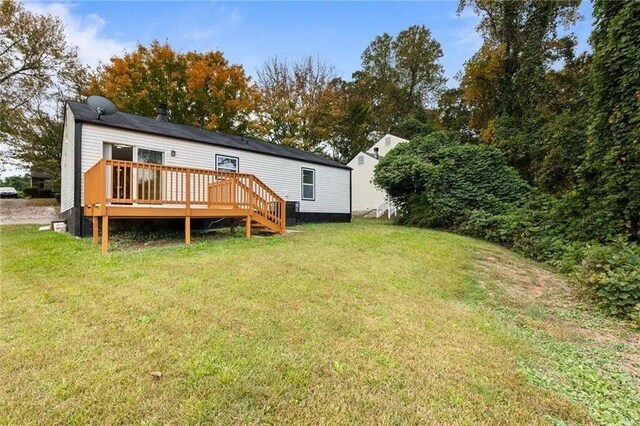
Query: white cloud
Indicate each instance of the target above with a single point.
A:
(227, 19)
(468, 39)
(199, 34)
(85, 32)
(235, 17)
(465, 40)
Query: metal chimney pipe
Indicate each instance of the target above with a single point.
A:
(162, 112)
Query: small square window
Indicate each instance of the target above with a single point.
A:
(226, 163)
(149, 156)
(361, 159)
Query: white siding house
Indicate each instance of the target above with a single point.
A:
(87, 140)
(365, 196)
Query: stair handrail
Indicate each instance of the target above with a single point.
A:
(387, 206)
(259, 197)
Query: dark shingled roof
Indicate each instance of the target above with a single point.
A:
(39, 175)
(123, 120)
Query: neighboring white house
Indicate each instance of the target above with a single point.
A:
(321, 186)
(365, 197)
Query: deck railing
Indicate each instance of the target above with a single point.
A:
(117, 182)
(94, 186)
(246, 191)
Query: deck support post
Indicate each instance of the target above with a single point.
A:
(105, 234)
(94, 229)
(247, 227)
(187, 230)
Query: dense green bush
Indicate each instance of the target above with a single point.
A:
(533, 227)
(612, 274)
(31, 192)
(45, 193)
(438, 181)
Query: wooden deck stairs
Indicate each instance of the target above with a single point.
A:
(117, 189)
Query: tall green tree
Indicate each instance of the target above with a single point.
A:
(354, 128)
(453, 111)
(39, 145)
(611, 171)
(561, 137)
(401, 75)
(298, 102)
(518, 101)
(38, 70)
(521, 43)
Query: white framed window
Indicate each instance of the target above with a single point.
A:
(149, 156)
(308, 184)
(226, 163)
(360, 159)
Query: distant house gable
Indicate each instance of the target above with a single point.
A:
(365, 196)
(386, 144)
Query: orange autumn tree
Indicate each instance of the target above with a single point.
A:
(201, 89)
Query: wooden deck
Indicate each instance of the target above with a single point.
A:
(115, 189)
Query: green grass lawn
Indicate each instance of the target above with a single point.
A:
(363, 323)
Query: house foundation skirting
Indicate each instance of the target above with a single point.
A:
(77, 224)
(311, 217)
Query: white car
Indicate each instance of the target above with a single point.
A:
(8, 192)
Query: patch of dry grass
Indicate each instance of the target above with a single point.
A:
(363, 323)
(592, 359)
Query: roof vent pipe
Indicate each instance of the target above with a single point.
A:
(375, 152)
(162, 112)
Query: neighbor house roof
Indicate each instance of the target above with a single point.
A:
(123, 120)
(40, 175)
(371, 155)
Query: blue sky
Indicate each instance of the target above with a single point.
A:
(250, 32)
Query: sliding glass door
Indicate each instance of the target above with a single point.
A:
(149, 178)
(121, 173)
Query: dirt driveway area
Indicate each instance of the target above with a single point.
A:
(26, 211)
